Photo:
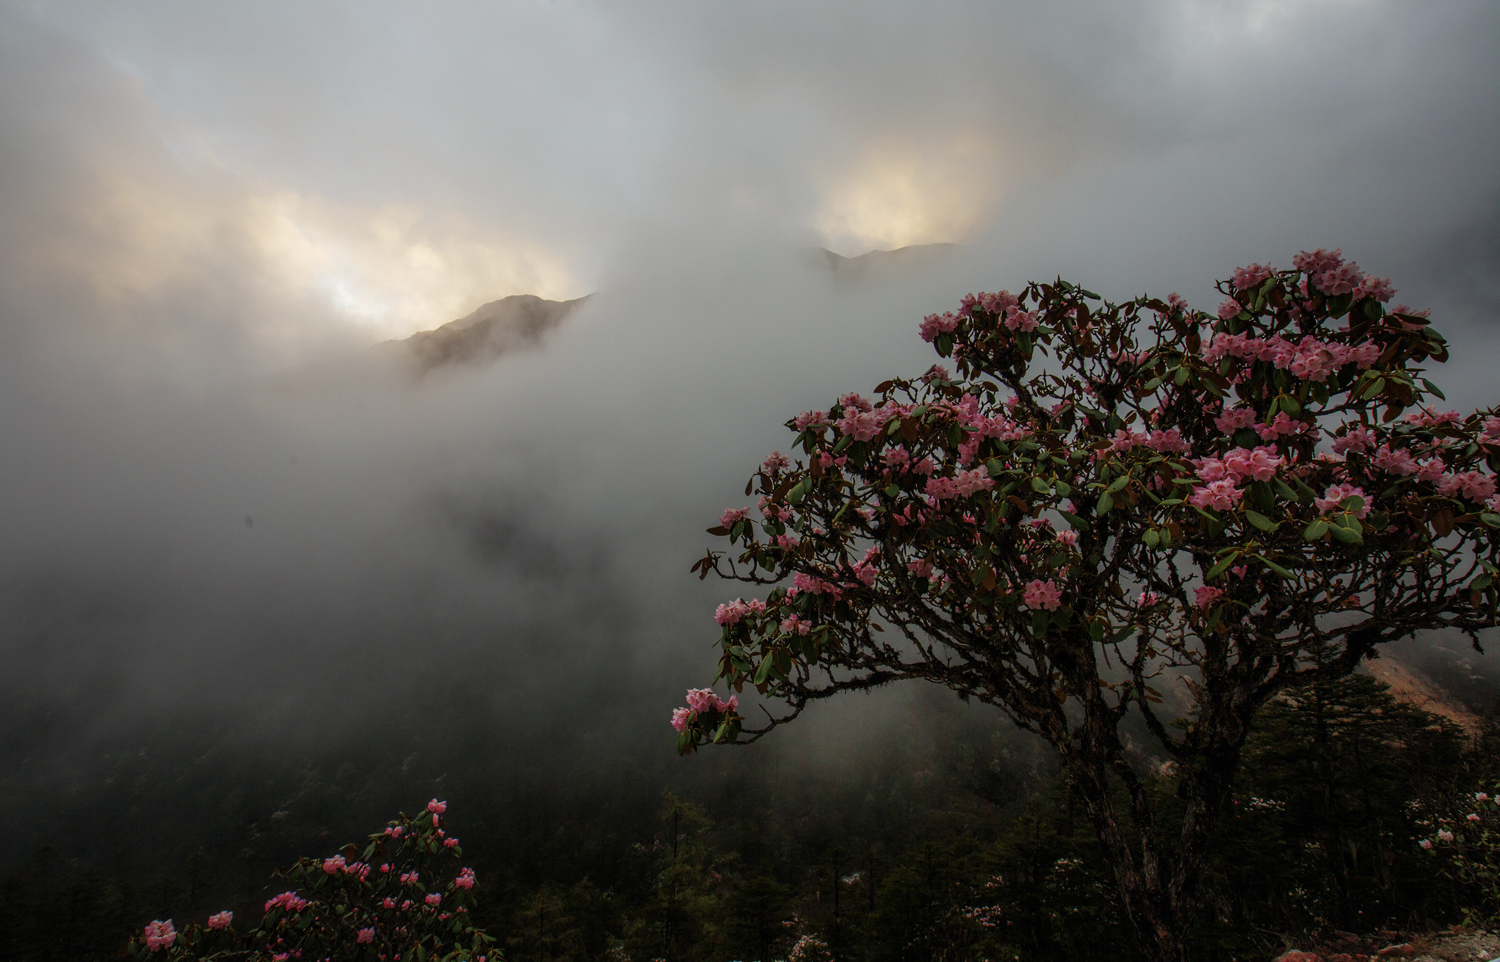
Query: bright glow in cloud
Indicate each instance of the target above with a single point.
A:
(901, 194)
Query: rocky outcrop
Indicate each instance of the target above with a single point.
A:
(499, 327)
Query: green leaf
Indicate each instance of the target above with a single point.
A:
(1316, 530)
(1346, 535)
(1274, 567)
(1038, 624)
(1040, 486)
(843, 443)
(1353, 503)
(1261, 521)
(1078, 523)
(1221, 567)
(1106, 503)
(1152, 385)
(763, 672)
(1062, 488)
(995, 467)
(1123, 634)
(1117, 484)
(1152, 537)
(1283, 490)
(1290, 405)
(1491, 519)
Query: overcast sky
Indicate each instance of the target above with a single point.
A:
(198, 198)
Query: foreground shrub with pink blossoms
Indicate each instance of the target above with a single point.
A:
(1465, 837)
(1103, 500)
(403, 896)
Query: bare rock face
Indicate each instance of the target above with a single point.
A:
(499, 327)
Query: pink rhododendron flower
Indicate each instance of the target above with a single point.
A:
(220, 920)
(1474, 485)
(1491, 430)
(776, 461)
(681, 717)
(1431, 417)
(1248, 277)
(160, 935)
(1147, 599)
(734, 515)
(1069, 538)
(449, 842)
(436, 807)
(410, 878)
(364, 936)
(331, 865)
(465, 879)
(1259, 464)
(1395, 462)
(1432, 470)
(935, 324)
(405, 904)
(288, 901)
(387, 903)
(1207, 596)
(1335, 495)
(922, 569)
(895, 457)
(1169, 441)
(1043, 595)
(1221, 494)
(861, 425)
(1426, 843)
(1444, 835)
(809, 419)
(1019, 320)
(1472, 817)
(1281, 425)
(433, 898)
(1358, 439)
(395, 831)
(1233, 419)
(1229, 309)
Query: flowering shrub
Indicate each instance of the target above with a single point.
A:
(400, 897)
(1467, 839)
(1173, 497)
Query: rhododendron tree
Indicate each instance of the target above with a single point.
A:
(401, 896)
(1101, 500)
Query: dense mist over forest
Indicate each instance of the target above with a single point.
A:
(250, 565)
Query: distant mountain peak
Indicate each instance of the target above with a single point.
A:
(499, 327)
(914, 255)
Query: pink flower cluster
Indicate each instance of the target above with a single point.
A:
(1207, 596)
(809, 419)
(1232, 419)
(775, 462)
(1282, 425)
(1310, 359)
(967, 413)
(1394, 461)
(433, 898)
(1358, 439)
(1474, 485)
(861, 420)
(1331, 274)
(1248, 277)
(1430, 417)
(1221, 495)
(1241, 464)
(220, 920)
(997, 303)
(735, 611)
(1169, 441)
(701, 701)
(1042, 595)
(160, 935)
(465, 879)
(288, 901)
(733, 516)
(961, 485)
(436, 807)
(795, 625)
(1335, 495)
(365, 936)
(935, 324)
